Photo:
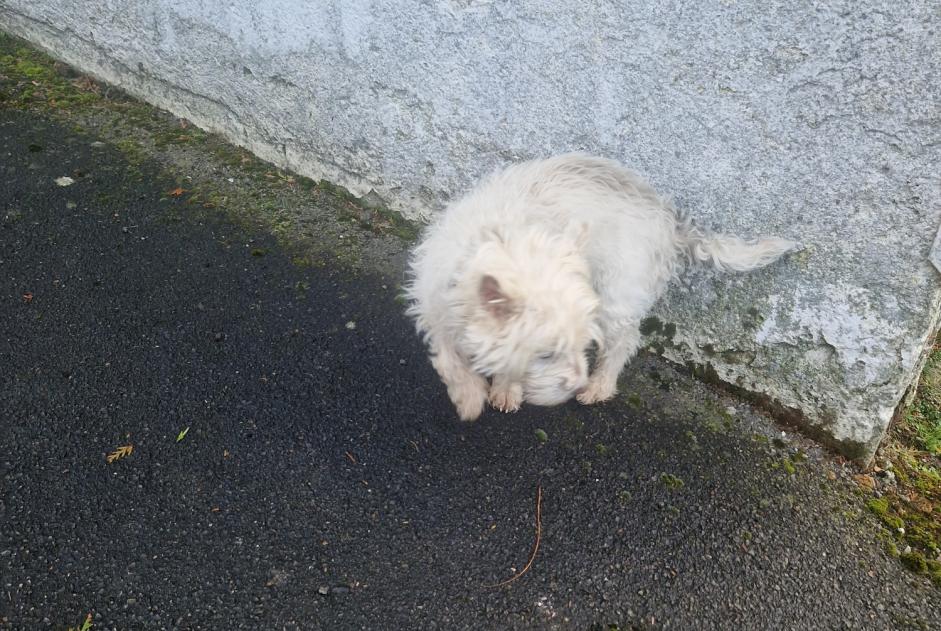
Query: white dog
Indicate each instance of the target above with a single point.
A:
(515, 282)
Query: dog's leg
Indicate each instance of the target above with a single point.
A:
(467, 389)
(506, 395)
(621, 343)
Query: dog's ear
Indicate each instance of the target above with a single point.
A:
(494, 299)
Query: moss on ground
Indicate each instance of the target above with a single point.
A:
(29, 79)
(910, 507)
(922, 420)
(671, 481)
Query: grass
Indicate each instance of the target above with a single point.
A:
(910, 510)
(85, 626)
(923, 418)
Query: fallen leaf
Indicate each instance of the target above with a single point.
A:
(177, 191)
(924, 505)
(28, 297)
(85, 83)
(120, 452)
(865, 480)
(182, 434)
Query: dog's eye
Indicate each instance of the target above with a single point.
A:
(546, 356)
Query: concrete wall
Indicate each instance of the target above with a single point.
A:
(815, 122)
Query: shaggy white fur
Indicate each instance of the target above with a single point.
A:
(515, 281)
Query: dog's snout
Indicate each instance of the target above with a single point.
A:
(576, 385)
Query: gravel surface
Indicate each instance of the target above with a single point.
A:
(324, 481)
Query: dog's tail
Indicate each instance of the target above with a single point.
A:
(727, 252)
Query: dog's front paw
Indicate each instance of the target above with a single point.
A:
(597, 391)
(506, 398)
(469, 398)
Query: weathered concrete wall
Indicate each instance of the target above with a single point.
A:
(819, 123)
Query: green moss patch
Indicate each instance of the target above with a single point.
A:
(671, 481)
(907, 478)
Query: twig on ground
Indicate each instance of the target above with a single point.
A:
(532, 556)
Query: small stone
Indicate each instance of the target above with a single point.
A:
(350, 325)
(731, 411)
(372, 200)
(64, 181)
(70, 205)
(907, 550)
(323, 590)
(97, 144)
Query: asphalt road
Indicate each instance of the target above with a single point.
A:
(324, 482)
